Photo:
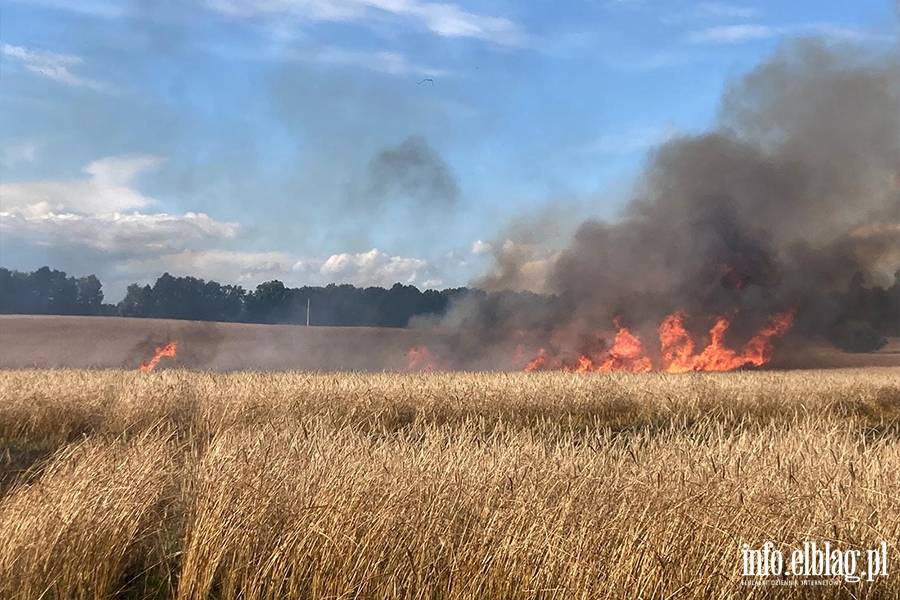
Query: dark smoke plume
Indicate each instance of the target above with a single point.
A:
(407, 184)
(414, 172)
(791, 195)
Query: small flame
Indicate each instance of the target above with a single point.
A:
(419, 359)
(538, 361)
(169, 350)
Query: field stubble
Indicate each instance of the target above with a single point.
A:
(187, 485)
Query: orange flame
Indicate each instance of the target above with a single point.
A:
(626, 354)
(419, 359)
(538, 362)
(678, 350)
(678, 347)
(677, 344)
(169, 350)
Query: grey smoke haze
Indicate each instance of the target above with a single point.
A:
(366, 157)
(411, 171)
(356, 149)
(793, 193)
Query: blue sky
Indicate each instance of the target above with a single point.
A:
(247, 140)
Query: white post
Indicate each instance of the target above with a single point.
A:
(307, 312)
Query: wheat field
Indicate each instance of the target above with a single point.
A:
(194, 485)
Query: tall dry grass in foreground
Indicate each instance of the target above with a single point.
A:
(194, 485)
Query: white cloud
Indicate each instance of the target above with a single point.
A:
(450, 21)
(479, 247)
(51, 65)
(107, 190)
(91, 213)
(732, 34)
(444, 19)
(374, 268)
(226, 266)
(122, 234)
(94, 212)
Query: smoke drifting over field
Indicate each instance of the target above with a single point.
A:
(791, 195)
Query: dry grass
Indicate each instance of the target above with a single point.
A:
(195, 485)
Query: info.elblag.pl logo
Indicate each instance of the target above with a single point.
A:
(816, 563)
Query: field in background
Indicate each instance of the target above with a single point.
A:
(120, 343)
(180, 484)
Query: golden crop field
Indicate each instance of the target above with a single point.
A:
(194, 485)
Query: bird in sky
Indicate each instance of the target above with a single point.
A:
(426, 79)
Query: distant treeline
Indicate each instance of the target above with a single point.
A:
(272, 302)
(51, 292)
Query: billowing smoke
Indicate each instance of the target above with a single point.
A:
(784, 202)
(793, 194)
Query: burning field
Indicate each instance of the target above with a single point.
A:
(736, 239)
(678, 350)
(745, 246)
(582, 441)
(156, 344)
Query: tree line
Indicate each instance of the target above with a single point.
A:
(50, 292)
(272, 302)
(862, 310)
